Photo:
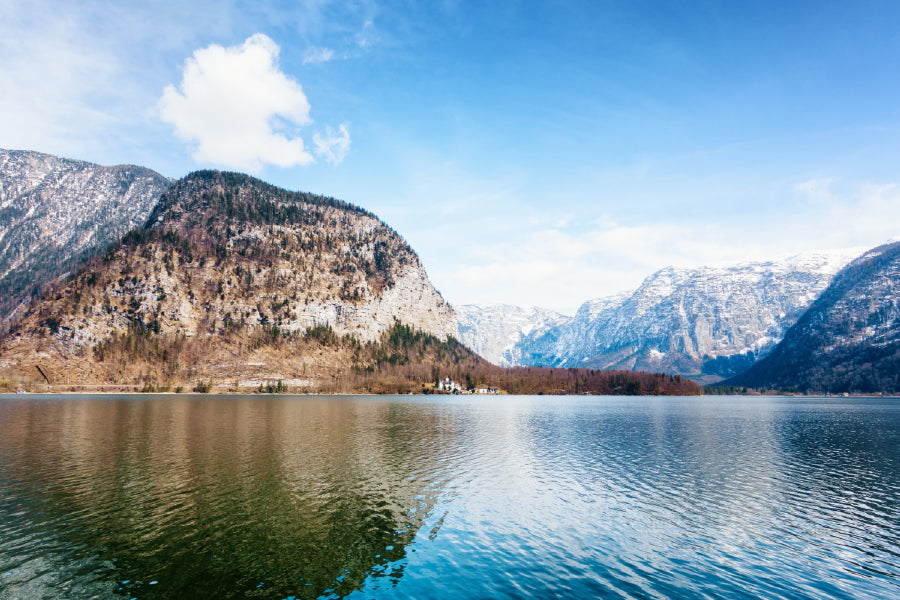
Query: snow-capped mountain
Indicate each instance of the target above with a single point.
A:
(848, 340)
(495, 331)
(565, 344)
(702, 321)
(707, 323)
(54, 211)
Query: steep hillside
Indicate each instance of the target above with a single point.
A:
(224, 263)
(496, 331)
(848, 340)
(54, 211)
(705, 323)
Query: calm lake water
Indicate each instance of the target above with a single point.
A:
(449, 497)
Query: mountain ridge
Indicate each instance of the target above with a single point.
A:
(55, 212)
(706, 322)
(495, 331)
(224, 253)
(849, 339)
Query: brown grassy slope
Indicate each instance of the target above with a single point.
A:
(402, 361)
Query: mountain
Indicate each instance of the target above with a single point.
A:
(849, 339)
(699, 322)
(496, 331)
(55, 211)
(705, 323)
(225, 269)
(236, 285)
(566, 344)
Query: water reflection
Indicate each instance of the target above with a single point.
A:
(210, 498)
(449, 497)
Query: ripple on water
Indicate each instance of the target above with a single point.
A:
(458, 497)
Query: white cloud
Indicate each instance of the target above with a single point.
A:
(61, 88)
(231, 102)
(333, 145)
(367, 36)
(78, 78)
(317, 55)
(560, 267)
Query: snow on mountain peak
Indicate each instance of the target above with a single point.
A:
(676, 321)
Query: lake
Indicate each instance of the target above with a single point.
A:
(448, 497)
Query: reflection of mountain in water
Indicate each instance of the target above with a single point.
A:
(211, 498)
(453, 497)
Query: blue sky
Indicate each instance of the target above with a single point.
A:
(531, 152)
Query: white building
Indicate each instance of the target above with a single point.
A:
(448, 385)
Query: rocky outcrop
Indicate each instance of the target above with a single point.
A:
(56, 211)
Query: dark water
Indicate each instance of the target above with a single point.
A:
(499, 497)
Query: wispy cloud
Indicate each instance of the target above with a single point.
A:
(317, 55)
(229, 102)
(57, 82)
(561, 266)
(367, 36)
(333, 146)
(78, 78)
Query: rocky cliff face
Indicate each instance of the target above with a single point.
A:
(705, 323)
(224, 256)
(848, 340)
(55, 211)
(496, 331)
(570, 341)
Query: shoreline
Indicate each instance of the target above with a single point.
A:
(122, 392)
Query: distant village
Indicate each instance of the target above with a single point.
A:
(448, 386)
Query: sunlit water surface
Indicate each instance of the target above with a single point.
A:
(424, 497)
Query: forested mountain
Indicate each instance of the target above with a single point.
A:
(705, 323)
(55, 211)
(225, 258)
(849, 339)
(234, 284)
